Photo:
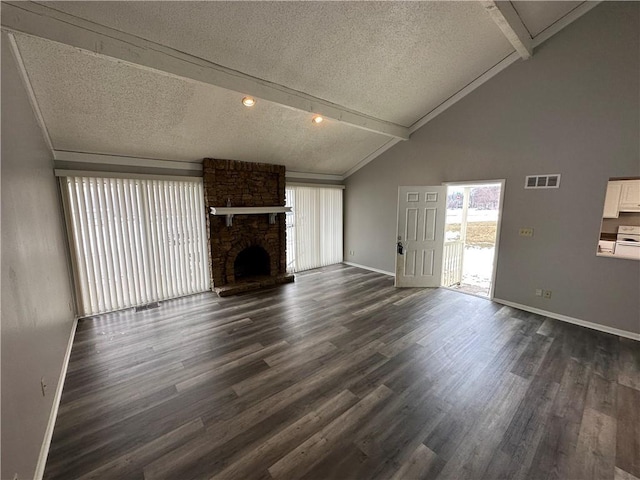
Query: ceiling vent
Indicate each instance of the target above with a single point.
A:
(551, 180)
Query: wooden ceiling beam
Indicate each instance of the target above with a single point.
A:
(508, 20)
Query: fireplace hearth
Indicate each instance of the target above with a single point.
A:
(248, 253)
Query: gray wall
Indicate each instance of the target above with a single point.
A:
(37, 303)
(572, 109)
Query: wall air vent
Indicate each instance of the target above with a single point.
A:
(551, 180)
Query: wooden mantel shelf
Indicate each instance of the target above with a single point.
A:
(231, 211)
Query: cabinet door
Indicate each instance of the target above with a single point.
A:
(612, 200)
(630, 196)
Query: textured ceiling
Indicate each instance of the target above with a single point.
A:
(92, 104)
(390, 60)
(395, 61)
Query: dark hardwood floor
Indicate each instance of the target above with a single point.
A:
(341, 376)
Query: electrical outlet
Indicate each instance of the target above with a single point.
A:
(546, 293)
(43, 386)
(526, 232)
(352, 252)
(538, 292)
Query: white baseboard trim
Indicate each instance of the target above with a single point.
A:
(377, 270)
(48, 434)
(566, 318)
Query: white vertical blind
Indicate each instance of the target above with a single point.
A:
(314, 228)
(135, 241)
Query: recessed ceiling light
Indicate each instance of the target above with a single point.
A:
(248, 101)
(317, 119)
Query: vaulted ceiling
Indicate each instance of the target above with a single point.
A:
(165, 80)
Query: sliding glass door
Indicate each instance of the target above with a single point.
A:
(135, 241)
(314, 227)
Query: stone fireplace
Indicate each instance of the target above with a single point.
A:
(247, 251)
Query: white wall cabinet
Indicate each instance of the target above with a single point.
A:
(612, 200)
(629, 196)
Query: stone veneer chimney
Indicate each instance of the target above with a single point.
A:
(245, 184)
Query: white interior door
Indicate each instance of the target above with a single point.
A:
(421, 218)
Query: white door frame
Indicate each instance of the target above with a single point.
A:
(502, 182)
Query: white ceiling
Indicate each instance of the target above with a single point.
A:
(363, 55)
(93, 104)
(394, 61)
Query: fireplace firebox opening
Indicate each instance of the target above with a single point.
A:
(251, 262)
